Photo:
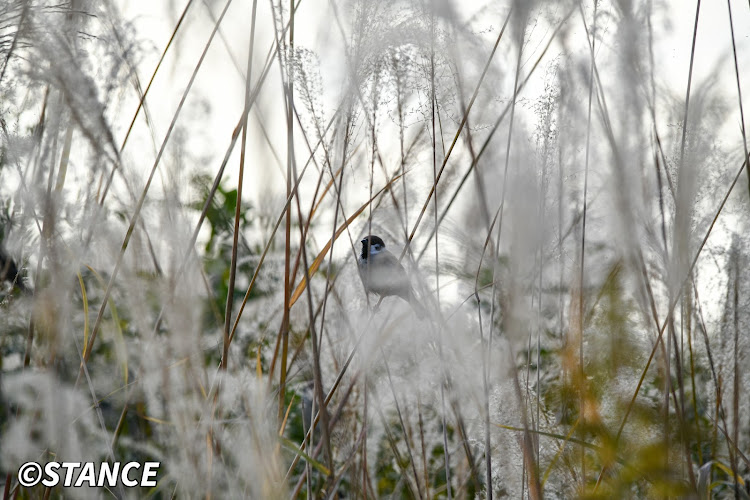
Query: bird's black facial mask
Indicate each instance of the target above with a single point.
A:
(371, 245)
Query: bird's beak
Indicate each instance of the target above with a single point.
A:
(364, 241)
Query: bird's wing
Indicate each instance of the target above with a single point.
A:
(387, 276)
(386, 260)
(391, 270)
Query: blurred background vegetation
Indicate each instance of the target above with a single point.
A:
(182, 192)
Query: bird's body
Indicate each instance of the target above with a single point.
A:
(383, 275)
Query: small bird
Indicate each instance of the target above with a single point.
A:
(382, 273)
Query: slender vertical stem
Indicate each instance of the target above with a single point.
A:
(688, 318)
(238, 206)
(529, 462)
(689, 84)
(736, 377)
(582, 370)
(287, 237)
(446, 452)
(364, 438)
(739, 90)
(736, 392)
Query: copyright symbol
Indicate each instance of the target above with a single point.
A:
(29, 474)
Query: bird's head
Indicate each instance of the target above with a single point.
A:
(371, 245)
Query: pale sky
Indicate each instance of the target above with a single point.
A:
(221, 88)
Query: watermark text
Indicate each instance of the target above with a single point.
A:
(96, 474)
